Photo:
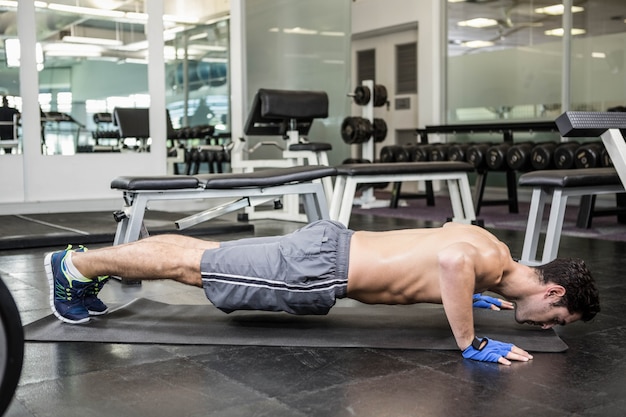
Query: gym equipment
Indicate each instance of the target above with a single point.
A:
(542, 155)
(455, 173)
(11, 347)
(458, 151)
(496, 156)
(355, 130)
(589, 155)
(565, 154)
(147, 321)
(477, 155)
(288, 114)
(560, 184)
(249, 189)
(363, 94)
(554, 187)
(518, 156)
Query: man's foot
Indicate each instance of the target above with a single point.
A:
(92, 303)
(66, 294)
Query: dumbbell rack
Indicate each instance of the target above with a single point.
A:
(367, 199)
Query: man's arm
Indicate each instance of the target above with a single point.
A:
(457, 281)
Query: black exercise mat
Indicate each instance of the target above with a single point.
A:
(391, 327)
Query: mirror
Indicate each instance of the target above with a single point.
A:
(94, 60)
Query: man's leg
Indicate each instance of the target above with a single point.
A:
(74, 274)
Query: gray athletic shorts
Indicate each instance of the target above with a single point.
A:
(301, 273)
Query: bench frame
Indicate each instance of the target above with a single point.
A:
(131, 226)
(458, 188)
(557, 196)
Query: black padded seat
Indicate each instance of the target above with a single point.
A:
(266, 177)
(293, 104)
(163, 182)
(403, 168)
(311, 146)
(566, 178)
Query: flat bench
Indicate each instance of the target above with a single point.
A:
(455, 173)
(555, 187)
(249, 189)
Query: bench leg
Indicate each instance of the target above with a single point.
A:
(345, 208)
(461, 199)
(338, 191)
(315, 205)
(533, 226)
(130, 228)
(555, 226)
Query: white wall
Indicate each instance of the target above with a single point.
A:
(377, 16)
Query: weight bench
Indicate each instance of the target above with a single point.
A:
(248, 189)
(556, 186)
(455, 173)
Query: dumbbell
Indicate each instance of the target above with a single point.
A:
(355, 130)
(542, 155)
(362, 95)
(395, 153)
(458, 151)
(496, 156)
(439, 152)
(605, 159)
(421, 152)
(11, 347)
(477, 155)
(588, 155)
(518, 156)
(565, 154)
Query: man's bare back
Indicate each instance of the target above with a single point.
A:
(403, 266)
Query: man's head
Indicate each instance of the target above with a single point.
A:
(581, 295)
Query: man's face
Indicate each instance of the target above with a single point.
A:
(542, 312)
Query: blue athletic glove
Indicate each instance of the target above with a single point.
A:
(486, 350)
(484, 301)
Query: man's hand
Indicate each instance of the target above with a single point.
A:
(484, 301)
(488, 350)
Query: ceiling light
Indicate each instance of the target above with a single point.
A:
(479, 22)
(7, 3)
(598, 55)
(477, 44)
(86, 10)
(300, 31)
(92, 41)
(560, 31)
(557, 9)
(328, 33)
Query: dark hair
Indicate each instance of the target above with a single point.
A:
(581, 295)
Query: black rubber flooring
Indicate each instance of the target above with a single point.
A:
(53, 229)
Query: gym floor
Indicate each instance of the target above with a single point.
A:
(96, 379)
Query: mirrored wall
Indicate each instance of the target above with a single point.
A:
(506, 59)
(93, 60)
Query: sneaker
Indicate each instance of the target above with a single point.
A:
(92, 303)
(66, 296)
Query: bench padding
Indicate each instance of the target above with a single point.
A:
(291, 104)
(163, 182)
(567, 178)
(402, 168)
(266, 177)
(311, 146)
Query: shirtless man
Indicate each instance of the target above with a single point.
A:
(306, 271)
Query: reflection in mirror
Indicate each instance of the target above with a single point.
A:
(94, 61)
(197, 90)
(11, 104)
